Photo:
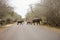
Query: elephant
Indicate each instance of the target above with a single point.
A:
(20, 22)
(37, 20)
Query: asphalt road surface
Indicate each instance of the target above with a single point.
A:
(28, 32)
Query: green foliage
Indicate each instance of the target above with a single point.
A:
(48, 10)
(7, 13)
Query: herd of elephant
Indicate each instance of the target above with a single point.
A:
(37, 21)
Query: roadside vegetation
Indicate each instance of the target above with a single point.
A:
(47, 10)
(7, 14)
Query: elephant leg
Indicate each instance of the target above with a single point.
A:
(37, 22)
(34, 23)
(1, 24)
(17, 23)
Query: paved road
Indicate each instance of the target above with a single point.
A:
(28, 32)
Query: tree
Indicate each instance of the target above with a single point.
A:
(48, 10)
(7, 12)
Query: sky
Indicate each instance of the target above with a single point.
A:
(21, 6)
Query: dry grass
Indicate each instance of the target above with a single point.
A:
(4, 27)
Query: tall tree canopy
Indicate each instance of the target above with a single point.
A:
(48, 10)
(7, 12)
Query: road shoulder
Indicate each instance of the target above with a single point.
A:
(5, 27)
(51, 28)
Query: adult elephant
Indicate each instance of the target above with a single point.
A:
(20, 22)
(36, 20)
